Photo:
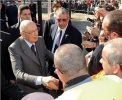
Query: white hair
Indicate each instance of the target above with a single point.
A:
(24, 24)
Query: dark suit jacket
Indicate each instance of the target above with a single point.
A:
(46, 29)
(3, 12)
(12, 14)
(94, 65)
(10, 90)
(15, 32)
(64, 4)
(72, 35)
(33, 8)
(26, 65)
(5, 58)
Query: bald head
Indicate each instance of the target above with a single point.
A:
(69, 59)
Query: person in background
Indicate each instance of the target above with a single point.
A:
(112, 29)
(56, 4)
(64, 4)
(24, 13)
(33, 11)
(3, 11)
(12, 14)
(6, 67)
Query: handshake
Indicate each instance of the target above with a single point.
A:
(50, 83)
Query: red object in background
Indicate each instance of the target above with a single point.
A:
(19, 0)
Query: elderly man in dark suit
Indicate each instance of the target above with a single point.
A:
(28, 54)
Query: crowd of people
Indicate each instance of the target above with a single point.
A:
(52, 65)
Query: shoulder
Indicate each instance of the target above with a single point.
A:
(16, 43)
(53, 26)
(73, 28)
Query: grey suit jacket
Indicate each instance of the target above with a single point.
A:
(26, 66)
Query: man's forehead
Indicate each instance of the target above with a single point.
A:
(25, 11)
(61, 15)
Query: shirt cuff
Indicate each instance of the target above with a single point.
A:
(38, 80)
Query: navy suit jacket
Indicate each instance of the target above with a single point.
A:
(12, 14)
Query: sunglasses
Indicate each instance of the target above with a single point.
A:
(63, 20)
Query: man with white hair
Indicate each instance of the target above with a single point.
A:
(28, 54)
(112, 59)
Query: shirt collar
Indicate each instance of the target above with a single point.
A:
(29, 44)
(75, 81)
(63, 30)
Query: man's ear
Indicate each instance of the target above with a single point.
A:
(116, 68)
(18, 15)
(115, 34)
(60, 75)
(22, 34)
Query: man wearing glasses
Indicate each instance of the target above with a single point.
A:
(62, 33)
(28, 54)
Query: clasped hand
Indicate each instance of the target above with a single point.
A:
(50, 83)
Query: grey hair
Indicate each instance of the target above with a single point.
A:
(69, 59)
(24, 24)
(114, 54)
(62, 10)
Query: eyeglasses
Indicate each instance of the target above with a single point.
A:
(63, 20)
(33, 31)
(57, 68)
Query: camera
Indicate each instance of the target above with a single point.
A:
(91, 20)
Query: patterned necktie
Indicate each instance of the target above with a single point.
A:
(33, 49)
(58, 40)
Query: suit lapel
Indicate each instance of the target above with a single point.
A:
(67, 36)
(53, 34)
(28, 51)
(39, 51)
